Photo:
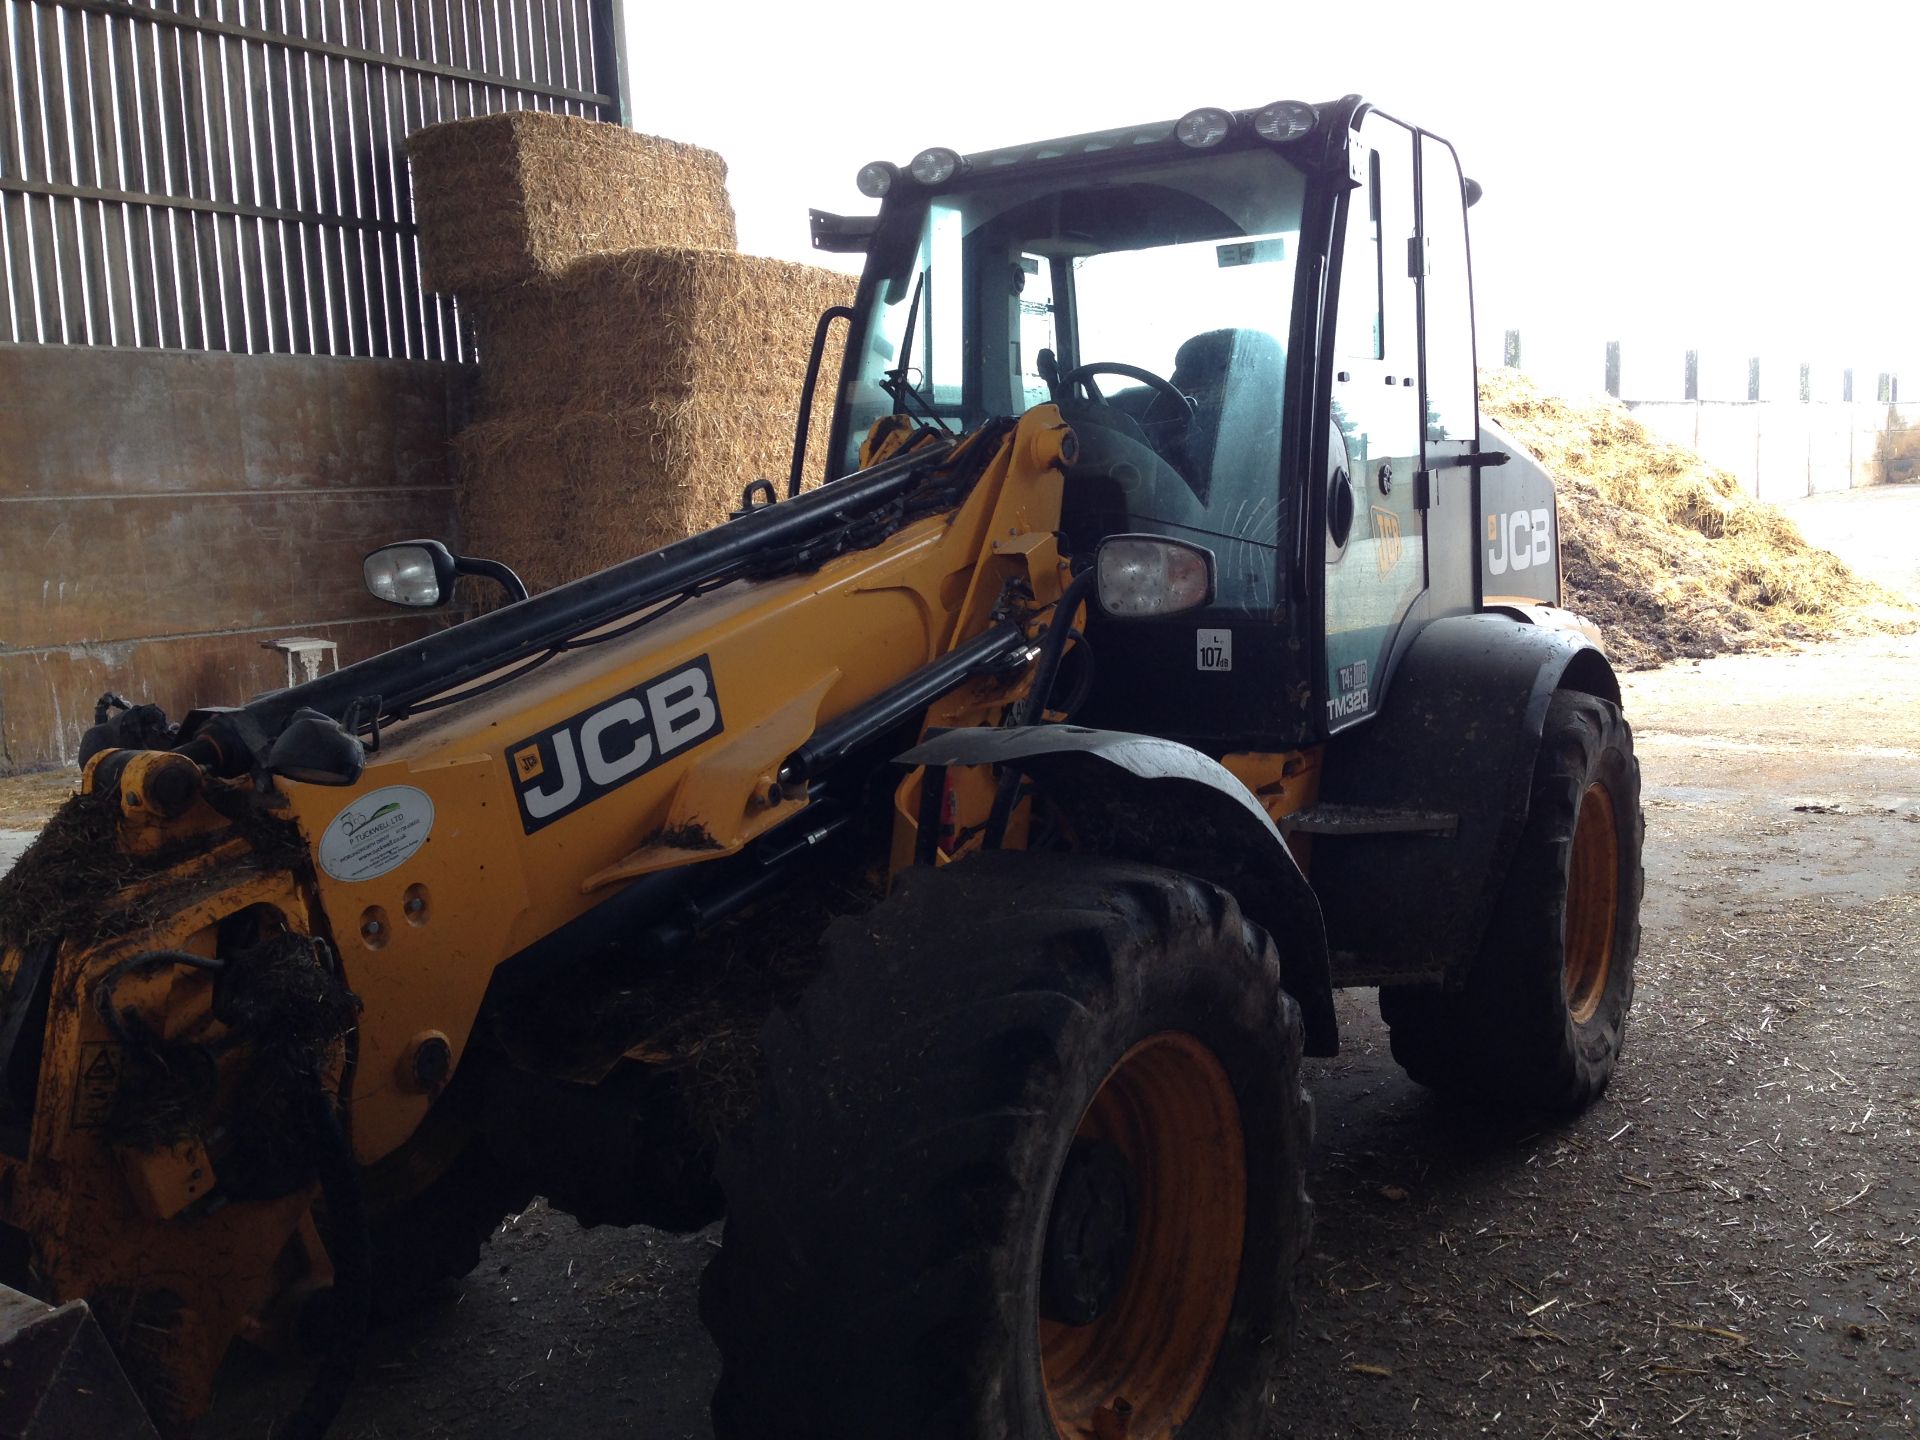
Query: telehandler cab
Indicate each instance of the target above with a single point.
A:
(1169, 645)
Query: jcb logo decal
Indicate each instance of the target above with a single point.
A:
(1519, 540)
(576, 762)
(1386, 529)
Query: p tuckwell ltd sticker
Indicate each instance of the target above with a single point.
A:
(378, 832)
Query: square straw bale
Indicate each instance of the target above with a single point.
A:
(654, 325)
(504, 199)
(558, 496)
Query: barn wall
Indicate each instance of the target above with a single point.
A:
(164, 513)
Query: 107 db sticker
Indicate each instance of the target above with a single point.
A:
(378, 832)
(1213, 649)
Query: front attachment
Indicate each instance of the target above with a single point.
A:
(176, 1036)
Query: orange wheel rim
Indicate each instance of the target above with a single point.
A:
(1139, 1368)
(1593, 903)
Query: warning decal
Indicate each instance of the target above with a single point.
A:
(101, 1065)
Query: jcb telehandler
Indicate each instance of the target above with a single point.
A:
(1168, 645)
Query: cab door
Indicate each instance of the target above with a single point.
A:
(1376, 562)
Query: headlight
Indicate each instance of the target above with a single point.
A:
(1285, 120)
(876, 178)
(1141, 576)
(1203, 128)
(935, 166)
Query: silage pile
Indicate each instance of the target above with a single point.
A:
(636, 372)
(1669, 556)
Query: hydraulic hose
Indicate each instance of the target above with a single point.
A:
(1046, 669)
(351, 1248)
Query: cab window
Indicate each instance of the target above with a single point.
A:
(1153, 306)
(1452, 411)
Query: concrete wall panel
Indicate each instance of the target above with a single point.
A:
(1783, 449)
(163, 512)
(76, 420)
(1829, 448)
(121, 569)
(1730, 439)
(47, 695)
(1676, 421)
(1782, 443)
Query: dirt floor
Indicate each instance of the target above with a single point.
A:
(1727, 1246)
(25, 801)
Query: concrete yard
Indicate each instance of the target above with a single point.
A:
(12, 842)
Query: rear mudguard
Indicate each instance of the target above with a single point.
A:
(1135, 797)
(1456, 738)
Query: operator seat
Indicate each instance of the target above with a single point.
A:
(1234, 377)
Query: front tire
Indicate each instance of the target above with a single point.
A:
(1540, 1021)
(1029, 1162)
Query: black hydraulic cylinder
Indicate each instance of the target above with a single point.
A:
(833, 741)
(464, 653)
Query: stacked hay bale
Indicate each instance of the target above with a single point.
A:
(502, 200)
(636, 372)
(1669, 556)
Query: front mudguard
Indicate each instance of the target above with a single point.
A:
(1456, 738)
(1137, 797)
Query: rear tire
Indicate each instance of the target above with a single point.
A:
(1540, 1021)
(897, 1221)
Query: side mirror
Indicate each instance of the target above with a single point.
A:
(1341, 502)
(419, 574)
(1340, 507)
(1141, 577)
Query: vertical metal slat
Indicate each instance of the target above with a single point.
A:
(431, 321)
(303, 282)
(175, 238)
(205, 327)
(328, 250)
(133, 106)
(245, 271)
(334, 192)
(217, 172)
(154, 295)
(347, 174)
(376, 188)
(50, 261)
(23, 279)
(268, 278)
(119, 222)
(93, 253)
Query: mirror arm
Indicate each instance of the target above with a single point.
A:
(515, 587)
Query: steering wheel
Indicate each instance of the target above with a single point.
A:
(1081, 375)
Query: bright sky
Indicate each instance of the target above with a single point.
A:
(1743, 179)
